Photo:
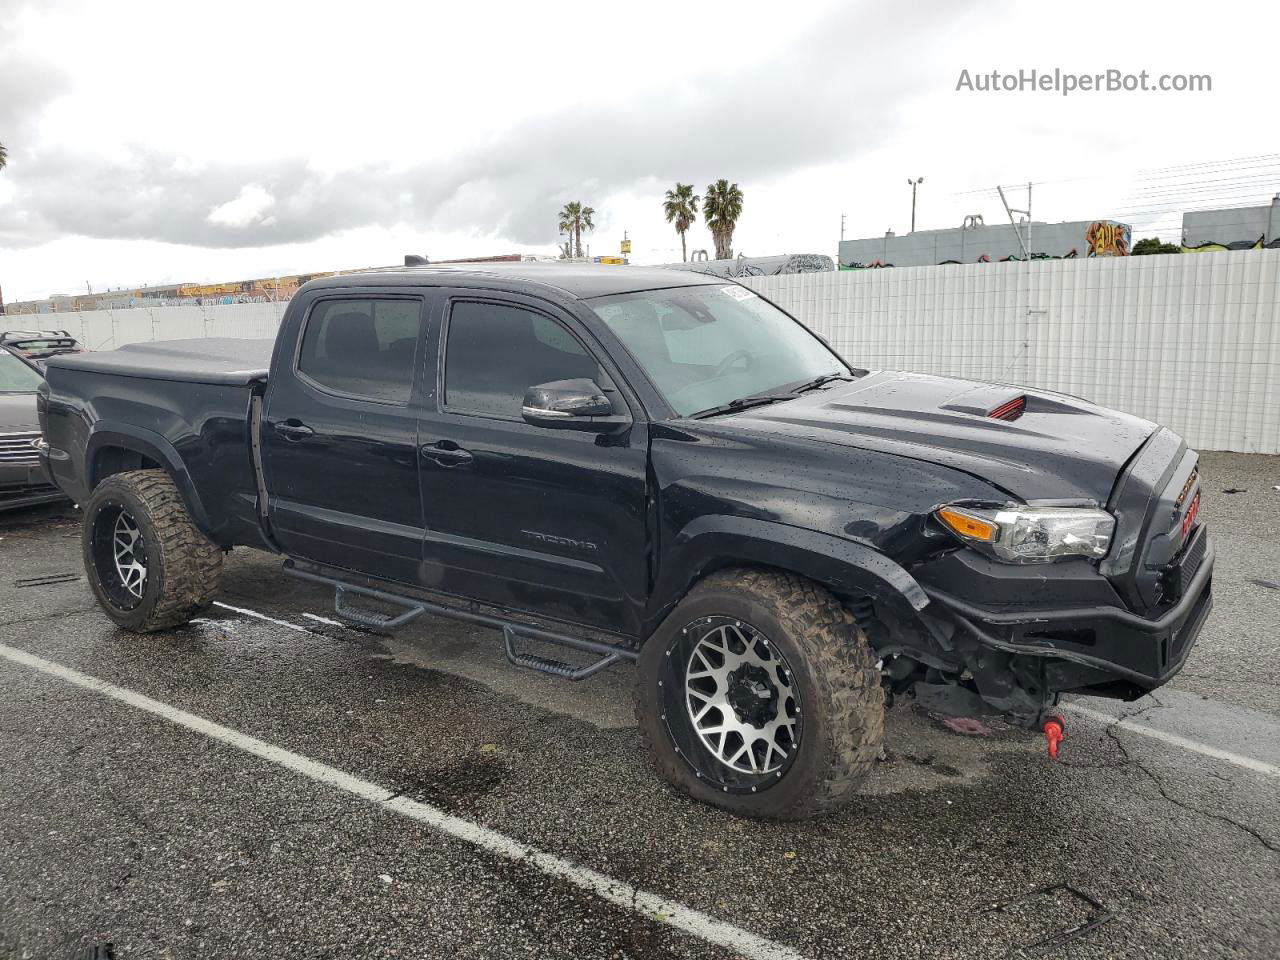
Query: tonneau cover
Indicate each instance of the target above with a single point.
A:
(220, 360)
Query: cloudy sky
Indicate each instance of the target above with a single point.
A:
(160, 142)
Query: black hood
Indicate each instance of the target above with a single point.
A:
(1058, 447)
(18, 413)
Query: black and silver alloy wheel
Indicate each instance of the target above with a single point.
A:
(147, 563)
(759, 693)
(731, 704)
(740, 696)
(130, 554)
(120, 555)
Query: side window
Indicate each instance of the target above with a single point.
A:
(363, 347)
(495, 352)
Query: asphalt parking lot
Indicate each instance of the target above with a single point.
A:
(268, 783)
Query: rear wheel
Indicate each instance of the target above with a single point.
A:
(760, 694)
(148, 565)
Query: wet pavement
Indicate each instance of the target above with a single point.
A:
(120, 825)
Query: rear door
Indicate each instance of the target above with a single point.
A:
(550, 521)
(339, 433)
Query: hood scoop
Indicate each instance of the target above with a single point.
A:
(993, 400)
(1010, 410)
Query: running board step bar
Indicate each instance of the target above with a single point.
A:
(370, 618)
(512, 630)
(556, 668)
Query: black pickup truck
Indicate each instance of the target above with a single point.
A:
(653, 466)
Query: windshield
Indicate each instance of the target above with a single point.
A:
(16, 376)
(707, 346)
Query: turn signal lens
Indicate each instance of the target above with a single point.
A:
(967, 525)
(1032, 533)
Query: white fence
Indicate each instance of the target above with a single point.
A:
(108, 329)
(1191, 341)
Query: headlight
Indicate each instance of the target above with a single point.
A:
(1032, 534)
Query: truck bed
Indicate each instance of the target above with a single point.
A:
(185, 405)
(216, 360)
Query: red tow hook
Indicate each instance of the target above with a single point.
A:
(1054, 733)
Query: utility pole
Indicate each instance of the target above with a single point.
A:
(842, 228)
(914, 183)
(1010, 211)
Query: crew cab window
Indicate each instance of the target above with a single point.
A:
(362, 347)
(495, 352)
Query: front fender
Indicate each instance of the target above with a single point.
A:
(845, 567)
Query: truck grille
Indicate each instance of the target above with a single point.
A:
(17, 448)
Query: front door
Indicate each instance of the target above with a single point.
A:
(340, 432)
(549, 521)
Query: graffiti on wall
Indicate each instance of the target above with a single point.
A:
(1210, 246)
(981, 258)
(1108, 238)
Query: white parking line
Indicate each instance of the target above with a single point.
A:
(328, 621)
(261, 616)
(1248, 763)
(651, 906)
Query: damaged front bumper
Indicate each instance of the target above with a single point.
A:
(1106, 639)
(1070, 634)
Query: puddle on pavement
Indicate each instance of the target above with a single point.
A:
(920, 754)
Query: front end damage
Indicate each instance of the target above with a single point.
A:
(1001, 638)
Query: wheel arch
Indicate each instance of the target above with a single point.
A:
(120, 448)
(845, 567)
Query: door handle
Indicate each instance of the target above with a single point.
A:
(447, 454)
(293, 430)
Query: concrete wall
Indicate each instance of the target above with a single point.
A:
(994, 242)
(1236, 229)
(1192, 342)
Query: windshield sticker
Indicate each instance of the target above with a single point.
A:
(737, 293)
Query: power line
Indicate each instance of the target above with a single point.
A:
(1222, 184)
(1211, 163)
(1202, 203)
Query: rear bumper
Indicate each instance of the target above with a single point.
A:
(1107, 641)
(26, 485)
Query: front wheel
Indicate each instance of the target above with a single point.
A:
(148, 565)
(760, 694)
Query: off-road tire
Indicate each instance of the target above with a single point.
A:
(835, 671)
(183, 567)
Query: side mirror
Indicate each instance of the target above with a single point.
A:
(572, 405)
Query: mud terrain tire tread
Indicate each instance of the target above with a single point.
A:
(840, 663)
(186, 564)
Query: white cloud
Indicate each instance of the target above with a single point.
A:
(309, 143)
(250, 207)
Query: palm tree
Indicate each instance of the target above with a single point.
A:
(575, 218)
(681, 207)
(721, 207)
(4, 157)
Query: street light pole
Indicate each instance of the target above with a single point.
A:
(914, 183)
